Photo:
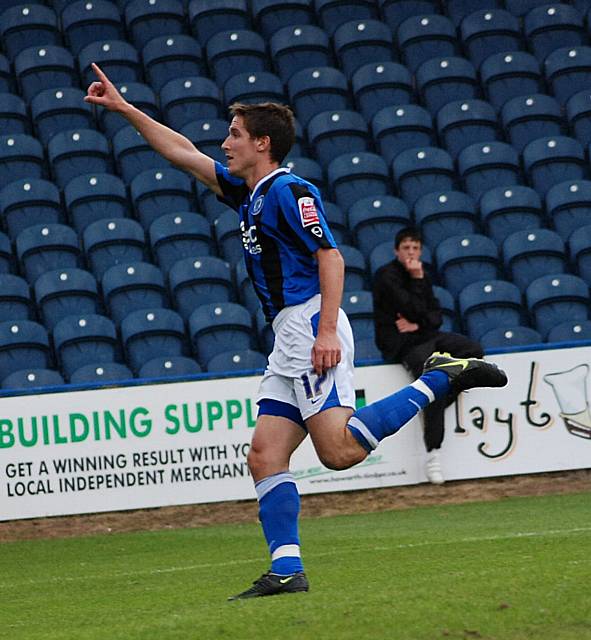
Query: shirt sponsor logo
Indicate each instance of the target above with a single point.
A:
(308, 211)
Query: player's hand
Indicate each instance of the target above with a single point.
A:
(103, 92)
(414, 268)
(405, 326)
(326, 352)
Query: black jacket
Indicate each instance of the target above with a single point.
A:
(395, 292)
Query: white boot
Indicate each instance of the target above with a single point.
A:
(433, 467)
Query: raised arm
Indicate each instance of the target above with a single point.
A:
(177, 149)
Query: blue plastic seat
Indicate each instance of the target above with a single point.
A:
(247, 296)
(254, 87)
(510, 337)
(152, 333)
(117, 58)
(15, 298)
(527, 118)
(32, 378)
(209, 18)
(169, 367)
(423, 170)
(484, 166)
(146, 19)
(134, 155)
(13, 115)
(355, 268)
(28, 202)
(528, 255)
(551, 160)
(449, 316)
(106, 372)
(80, 339)
(207, 135)
(236, 361)
(78, 152)
(28, 25)
(188, 99)
(57, 110)
(421, 38)
(398, 128)
(358, 305)
(115, 241)
(488, 31)
(199, 280)
(240, 49)
(133, 287)
(333, 133)
(580, 251)
(298, 47)
(45, 247)
(443, 214)
(570, 331)
(457, 10)
(6, 257)
(395, 12)
(175, 236)
(229, 236)
(140, 95)
(270, 16)
(444, 80)
(569, 206)
(7, 81)
(552, 298)
(333, 13)
(360, 42)
(551, 27)
(510, 74)
(65, 292)
(85, 22)
(379, 85)
(308, 169)
(21, 156)
(462, 260)
(520, 7)
(568, 71)
(219, 327)
(578, 114)
(171, 56)
(352, 176)
(264, 332)
(504, 210)
(23, 345)
(490, 304)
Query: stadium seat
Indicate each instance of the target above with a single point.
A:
(134, 155)
(531, 254)
(133, 287)
(78, 152)
(333, 13)
(527, 118)
(84, 22)
(318, 89)
(15, 298)
(423, 170)
(152, 333)
(154, 191)
(115, 241)
(384, 253)
(449, 320)
(398, 128)
(230, 50)
(457, 10)
(28, 202)
(568, 205)
(175, 236)
(209, 203)
(488, 31)
(333, 133)
(229, 236)
(490, 304)
(13, 115)
(21, 156)
(462, 260)
(444, 80)
(117, 58)
(247, 296)
(264, 332)
(352, 176)
(441, 215)
(568, 71)
(551, 160)
(580, 251)
(578, 114)
(199, 280)
(355, 268)
(504, 210)
(270, 16)
(105, 373)
(395, 12)
(187, 99)
(32, 379)
(23, 345)
(236, 361)
(57, 110)
(45, 247)
(254, 87)
(298, 47)
(520, 7)
(484, 166)
(209, 18)
(552, 298)
(207, 135)
(148, 19)
(337, 222)
(6, 256)
(138, 94)
(79, 339)
(219, 327)
(28, 25)
(372, 219)
(308, 169)
(551, 27)
(510, 338)
(379, 85)
(7, 82)
(174, 366)
(358, 305)
(465, 122)
(172, 56)
(510, 74)
(421, 38)
(93, 197)
(570, 331)
(65, 292)
(360, 42)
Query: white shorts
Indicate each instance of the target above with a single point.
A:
(290, 378)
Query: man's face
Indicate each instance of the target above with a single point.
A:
(240, 148)
(408, 250)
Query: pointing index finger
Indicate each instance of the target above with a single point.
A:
(99, 72)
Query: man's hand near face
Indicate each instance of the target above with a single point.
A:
(414, 268)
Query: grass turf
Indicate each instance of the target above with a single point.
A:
(515, 569)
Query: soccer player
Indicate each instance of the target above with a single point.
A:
(298, 274)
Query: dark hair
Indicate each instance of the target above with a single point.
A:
(268, 119)
(408, 233)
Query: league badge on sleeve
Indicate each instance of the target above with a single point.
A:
(308, 211)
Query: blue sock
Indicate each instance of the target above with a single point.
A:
(380, 419)
(279, 509)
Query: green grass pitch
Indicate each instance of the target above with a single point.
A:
(515, 569)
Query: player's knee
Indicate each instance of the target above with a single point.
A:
(336, 460)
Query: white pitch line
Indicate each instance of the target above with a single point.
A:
(321, 554)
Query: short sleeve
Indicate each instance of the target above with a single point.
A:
(234, 190)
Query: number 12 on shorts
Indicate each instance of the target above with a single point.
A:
(316, 390)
